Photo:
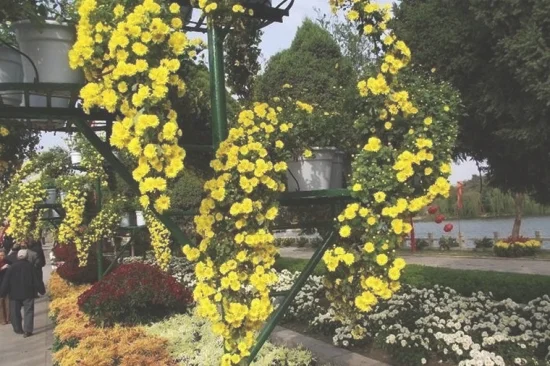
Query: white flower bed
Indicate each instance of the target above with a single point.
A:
(417, 325)
(421, 325)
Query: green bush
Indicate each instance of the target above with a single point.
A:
(421, 244)
(485, 243)
(186, 192)
(446, 243)
(518, 287)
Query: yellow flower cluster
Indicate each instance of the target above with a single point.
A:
(223, 11)
(160, 240)
(526, 244)
(362, 267)
(131, 63)
(70, 228)
(21, 213)
(131, 58)
(102, 226)
(4, 131)
(237, 250)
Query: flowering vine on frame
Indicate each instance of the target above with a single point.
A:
(131, 53)
(404, 166)
(237, 249)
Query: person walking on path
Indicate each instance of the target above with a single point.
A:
(4, 301)
(12, 254)
(6, 241)
(21, 284)
(36, 246)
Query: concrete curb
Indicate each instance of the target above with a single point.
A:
(324, 352)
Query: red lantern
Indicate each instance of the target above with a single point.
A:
(448, 228)
(439, 219)
(432, 209)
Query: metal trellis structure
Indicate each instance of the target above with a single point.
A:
(46, 118)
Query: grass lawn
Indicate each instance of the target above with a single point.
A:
(519, 287)
(543, 254)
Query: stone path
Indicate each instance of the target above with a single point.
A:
(513, 265)
(326, 354)
(35, 350)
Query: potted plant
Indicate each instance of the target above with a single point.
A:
(322, 165)
(11, 67)
(44, 34)
(51, 191)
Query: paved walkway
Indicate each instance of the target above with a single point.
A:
(526, 266)
(35, 350)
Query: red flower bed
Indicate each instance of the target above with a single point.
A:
(134, 293)
(70, 269)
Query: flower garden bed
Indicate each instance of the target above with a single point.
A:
(481, 322)
(82, 337)
(438, 325)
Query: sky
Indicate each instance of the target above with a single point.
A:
(278, 37)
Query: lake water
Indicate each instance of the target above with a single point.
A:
(478, 228)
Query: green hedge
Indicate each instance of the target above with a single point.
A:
(519, 287)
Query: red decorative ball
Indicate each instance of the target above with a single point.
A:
(432, 209)
(448, 228)
(439, 218)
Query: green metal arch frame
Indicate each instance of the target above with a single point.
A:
(219, 133)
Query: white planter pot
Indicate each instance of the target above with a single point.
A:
(48, 46)
(76, 158)
(11, 71)
(311, 174)
(62, 195)
(51, 196)
(125, 220)
(337, 174)
(140, 219)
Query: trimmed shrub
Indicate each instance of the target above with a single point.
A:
(447, 242)
(518, 287)
(134, 293)
(485, 243)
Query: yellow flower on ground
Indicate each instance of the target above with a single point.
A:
(381, 259)
(345, 231)
(379, 197)
(369, 247)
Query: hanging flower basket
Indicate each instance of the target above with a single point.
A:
(47, 45)
(76, 158)
(125, 220)
(337, 173)
(140, 219)
(11, 71)
(51, 196)
(313, 173)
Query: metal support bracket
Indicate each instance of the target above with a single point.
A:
(296, 287)
(105, 150)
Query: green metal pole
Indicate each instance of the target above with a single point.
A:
(217, 84)
(296, 287)
(122, 250)
(105, 150)
(100, 244)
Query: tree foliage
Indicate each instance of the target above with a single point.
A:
(498, 55)
(14, 149)
(320, 75)
(481, 200)
(242, 47)
(356, 48)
